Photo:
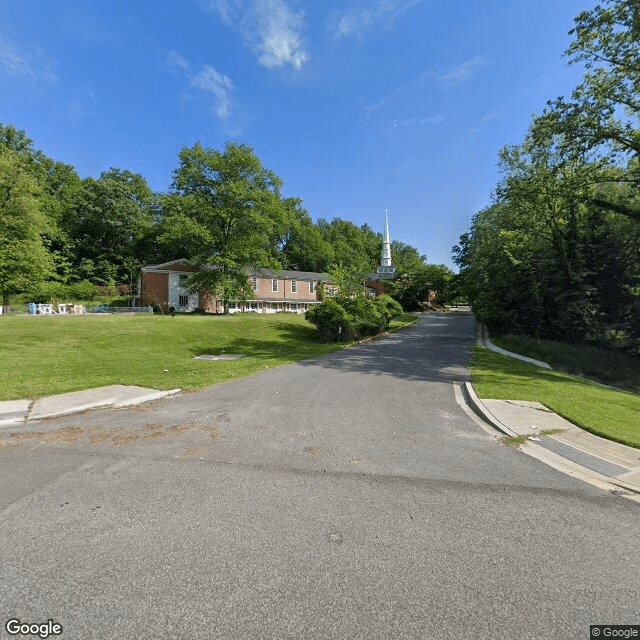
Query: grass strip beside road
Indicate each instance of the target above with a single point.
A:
(47, 355)
(606, 412)
(594, 363)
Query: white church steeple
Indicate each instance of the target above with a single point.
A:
(386, 267)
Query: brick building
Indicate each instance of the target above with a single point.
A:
(270, 291)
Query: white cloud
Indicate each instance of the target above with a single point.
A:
(218, 85)
(479, 124)
(178, 61)
(462, 72)
(32, 63)
(269, 27)
(356, 21)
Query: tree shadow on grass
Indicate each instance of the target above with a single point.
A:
(291, 341)
(437, 348)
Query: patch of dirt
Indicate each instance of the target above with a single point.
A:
(103, 435)
(214, 433)
(314, 452)
(188, 454)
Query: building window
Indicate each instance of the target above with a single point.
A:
(274, 284)
(294, 286)
(312, 287)
(183, 281)
(293, 306)
(183, 301)
(254, 283)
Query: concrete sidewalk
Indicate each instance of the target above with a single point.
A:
(18, 412)
(567, 447)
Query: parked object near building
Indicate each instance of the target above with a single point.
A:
(270, 290)
(66, 309)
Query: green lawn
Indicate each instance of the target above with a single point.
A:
(45, 355)
(606, 412)
(594, 363)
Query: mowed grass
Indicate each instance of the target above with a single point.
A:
(603, 365)
(46, 355)
(609, 413)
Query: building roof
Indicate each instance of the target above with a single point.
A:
(164, 265)
(380, 276)
(285, 274)
(289, 275)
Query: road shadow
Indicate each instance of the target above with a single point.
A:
(437, 348)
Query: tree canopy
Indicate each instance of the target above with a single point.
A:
(24, 259)
(224, 211)
(557, 253)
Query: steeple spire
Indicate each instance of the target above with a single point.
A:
(386, 267)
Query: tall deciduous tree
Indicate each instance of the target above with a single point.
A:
(602, 112)
(356, 249)
(300, 243)
(227, 211)
(24, 259)
(111, 226)
(544, 259)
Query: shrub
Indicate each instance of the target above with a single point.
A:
(331, 320)
(83, 290)
(388, 307)
(367, 318)
(45, 292)
(353, 316)
(48, 292)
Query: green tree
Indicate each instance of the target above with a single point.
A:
(357, 249)
(406, 258)
(300, 243)
(226, 209)
(602, 112)
(110, 227)
(24, 259)
(411, 289)
(544, 259)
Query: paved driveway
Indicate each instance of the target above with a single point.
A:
(343, 497)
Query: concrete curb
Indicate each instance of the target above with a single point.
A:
(612, 484)
(14, 411)
(483, 340)
(19, 412)
(578, 471)
(480, 410)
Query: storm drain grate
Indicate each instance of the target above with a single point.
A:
(585, 459)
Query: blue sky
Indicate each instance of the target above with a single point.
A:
(358, 106)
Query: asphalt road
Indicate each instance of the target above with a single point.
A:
(345, 497)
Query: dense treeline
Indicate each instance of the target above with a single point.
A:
(557, 253)
(64, 236)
